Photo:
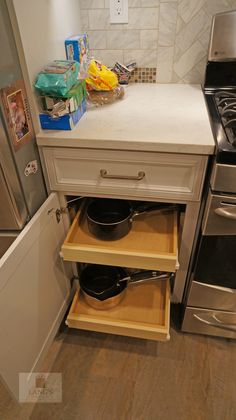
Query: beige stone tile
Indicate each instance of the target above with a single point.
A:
(193, 77)
(150, 3)
(84, 20)
(143, 18)
(92, 4)
(175, 78)
(217, 6)
(108, 57)
(167, 24)
(132, 3)
(189, 59)
(165, 64)
(143, 58)
(205, 39)
(99, 19)
(148, 39)
(177, 53)
(123, 39)
(192, 30)
(180, 24)
(97, 40)
(188, 8)
(201, 66)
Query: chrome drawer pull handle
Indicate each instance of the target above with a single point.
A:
(227, 212)
(139, 177)
(213, 321)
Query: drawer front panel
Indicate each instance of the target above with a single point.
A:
(212, 296)
(156, 251)
(210, 322)
(162, 175)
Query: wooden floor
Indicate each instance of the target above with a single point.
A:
(108, 377)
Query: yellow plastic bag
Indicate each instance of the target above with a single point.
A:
(100, 77)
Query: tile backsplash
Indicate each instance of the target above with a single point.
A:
(169, 35)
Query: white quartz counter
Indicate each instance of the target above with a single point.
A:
(151, 117)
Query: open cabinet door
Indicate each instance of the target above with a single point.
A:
(34, 292)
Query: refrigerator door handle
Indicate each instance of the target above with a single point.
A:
(213, 321)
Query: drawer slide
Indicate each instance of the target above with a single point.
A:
(151, 243)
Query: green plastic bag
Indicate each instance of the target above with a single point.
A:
(58, 77)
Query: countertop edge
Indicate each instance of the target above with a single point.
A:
(143, 146)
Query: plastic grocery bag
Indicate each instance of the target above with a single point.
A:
(58, 77)
(100, 77)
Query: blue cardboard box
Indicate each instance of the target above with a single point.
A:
(77, 49)
(66, 122)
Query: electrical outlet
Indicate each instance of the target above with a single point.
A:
(118, 11)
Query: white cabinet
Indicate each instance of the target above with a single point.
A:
(34, 292)
(124, 173)
(137, 175)
(34, 287)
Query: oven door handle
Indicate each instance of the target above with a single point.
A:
(228, 212)
(213, 321)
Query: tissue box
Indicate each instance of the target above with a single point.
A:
(77, 48)
(66, 122)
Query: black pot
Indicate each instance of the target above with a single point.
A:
(111, 219)
(103, 281)
(104, 286)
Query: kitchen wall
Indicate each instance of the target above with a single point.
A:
(40, 29)
(43, 27)
(170, 36)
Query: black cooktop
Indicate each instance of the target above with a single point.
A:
(220, 94)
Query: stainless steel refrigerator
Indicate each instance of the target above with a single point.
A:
(22, 188)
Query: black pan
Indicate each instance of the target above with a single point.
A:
(111, 219)
(105, 286)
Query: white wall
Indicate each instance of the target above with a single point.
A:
(43, 26)
(40, 27)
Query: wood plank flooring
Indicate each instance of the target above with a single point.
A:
(107, 377)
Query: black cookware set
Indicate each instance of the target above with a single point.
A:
(111, 219)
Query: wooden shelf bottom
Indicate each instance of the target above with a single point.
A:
(144, 313)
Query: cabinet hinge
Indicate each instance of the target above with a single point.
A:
(58, 212)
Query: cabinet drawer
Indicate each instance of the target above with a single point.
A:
(144, 313)
(210, 322)
(151, 243)
(173, 176)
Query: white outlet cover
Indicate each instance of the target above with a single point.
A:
(119, 11)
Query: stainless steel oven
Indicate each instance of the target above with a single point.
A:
(211, 300)
(210, 296)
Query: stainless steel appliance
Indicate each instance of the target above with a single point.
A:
(22, 188)
(210, 298)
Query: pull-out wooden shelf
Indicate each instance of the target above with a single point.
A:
(151, 243)
(144, 313)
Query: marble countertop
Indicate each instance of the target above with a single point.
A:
(151, 117)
